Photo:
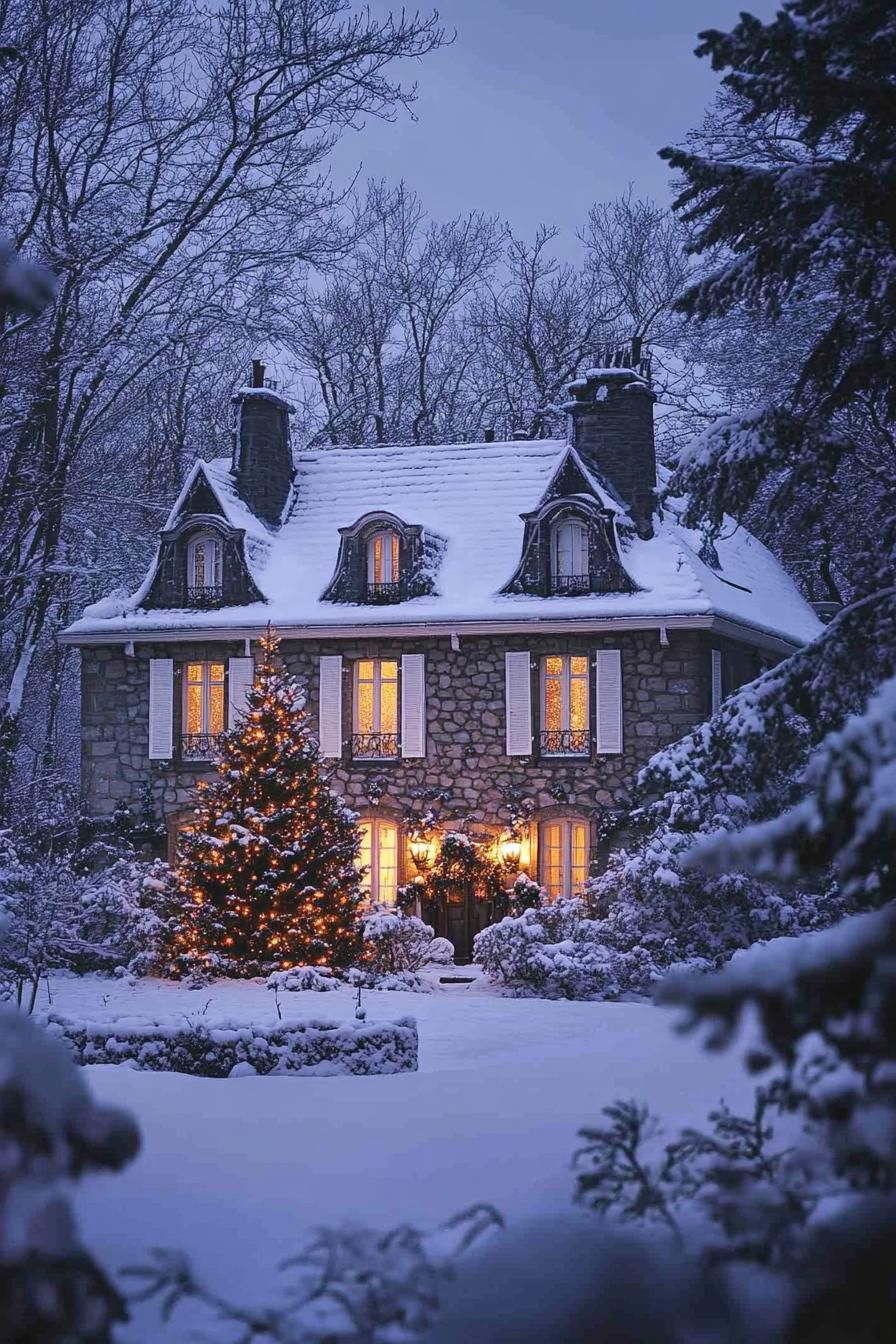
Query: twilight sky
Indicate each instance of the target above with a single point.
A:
(542, 106)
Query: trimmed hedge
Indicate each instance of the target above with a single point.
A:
(219, 1050)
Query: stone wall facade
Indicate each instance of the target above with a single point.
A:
(666, 691)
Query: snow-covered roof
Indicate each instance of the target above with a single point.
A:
(471, 494)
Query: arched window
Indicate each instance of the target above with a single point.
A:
(383, 568)
(569, 557)
(204, 564)
(563, 855)
(379, 856)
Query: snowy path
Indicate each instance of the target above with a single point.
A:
(237, 1171)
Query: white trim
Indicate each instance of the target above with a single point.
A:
(716, 680)
(240, 676)
(414, 630)
(608, 702)
(329, 705)
(413, 704)
(161, 709)
(518, 703)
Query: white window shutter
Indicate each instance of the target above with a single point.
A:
(240, 675)
(608, 718)
(161, 709)
(330, 709)
(518, 704)
(716, 680)
(413, 704)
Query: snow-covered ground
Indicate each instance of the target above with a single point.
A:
(238, 1171)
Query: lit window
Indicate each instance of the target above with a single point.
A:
(203, 708)
(379, 856)
(383, 576)
(563, 856)
(376, 708)
(564, 705)
(204, 557)
(569, 557)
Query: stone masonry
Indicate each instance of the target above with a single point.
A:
(666, 691)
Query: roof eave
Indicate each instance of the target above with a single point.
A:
(724, 626)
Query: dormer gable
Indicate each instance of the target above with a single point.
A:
(201, 560)
(569, 540)
(383, 559)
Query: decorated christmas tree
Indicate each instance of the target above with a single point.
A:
(268, 870)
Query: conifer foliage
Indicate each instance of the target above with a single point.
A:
(268, 871)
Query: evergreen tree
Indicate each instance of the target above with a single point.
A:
(268, 872)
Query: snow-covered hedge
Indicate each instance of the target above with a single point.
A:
(217, 1050)
(555, 951)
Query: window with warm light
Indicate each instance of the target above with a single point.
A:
(204, 708)
(379, 856)
(204, 569)
(375, 730)
(563, 855)
(564, 705)
(383, 565)
(569, 557)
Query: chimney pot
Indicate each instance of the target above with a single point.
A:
(257, 373)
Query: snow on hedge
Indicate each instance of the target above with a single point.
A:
(223, 1049)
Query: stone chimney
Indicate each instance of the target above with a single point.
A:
(611, 414)
(262, 456)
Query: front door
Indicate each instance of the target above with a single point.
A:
(460, 916)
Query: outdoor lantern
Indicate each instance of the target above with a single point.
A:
(420, 852)
(509, 851)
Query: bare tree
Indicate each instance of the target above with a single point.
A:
(166, 162)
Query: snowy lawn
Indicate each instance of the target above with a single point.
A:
(239, 1171)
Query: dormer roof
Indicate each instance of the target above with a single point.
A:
(472, 496)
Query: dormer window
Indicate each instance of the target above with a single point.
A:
(383, 566)
(569, 557)
(204, 570)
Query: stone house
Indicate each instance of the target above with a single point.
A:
(478, 626)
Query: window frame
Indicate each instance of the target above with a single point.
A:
(204, 748)
(566, 678)
(376, 729)
(371, 882)
(568, 827)
(383, 589)
(201, 540)
(578, 579)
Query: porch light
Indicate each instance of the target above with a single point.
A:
(421, 852)
(509, 850)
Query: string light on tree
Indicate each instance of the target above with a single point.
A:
(269, 867)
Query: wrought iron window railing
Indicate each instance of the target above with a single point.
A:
(565, 742)
(570, 583)
(375, 746)
(385, 592)
(205, 594)
(198, 746)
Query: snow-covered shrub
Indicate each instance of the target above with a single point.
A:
(525, 894)
(395, 942)
(440, 952)
(649, 898)
(51, 1132)
(215, 1050)
(298, 978)
(409, 981)
(129, 916)
(557, 951)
